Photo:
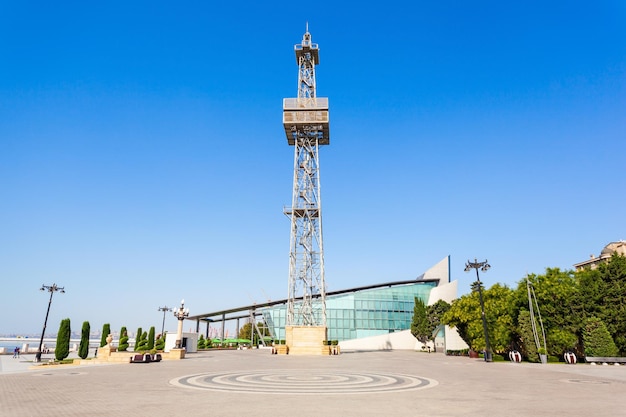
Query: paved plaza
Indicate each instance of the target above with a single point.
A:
(256, 383)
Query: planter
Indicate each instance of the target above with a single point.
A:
(543, 357)
(515, 356)
(280, 350)
(473, 354)
(570, 358)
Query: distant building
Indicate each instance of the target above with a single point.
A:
(593, 262)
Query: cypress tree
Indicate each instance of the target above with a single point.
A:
(106, 330)
(151, 338)
(83, 349)
(123, 345)
(597, 339)
(525, 333)
(419, 325)
(62, 349)
(138, 337)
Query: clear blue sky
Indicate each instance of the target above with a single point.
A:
(143, 159)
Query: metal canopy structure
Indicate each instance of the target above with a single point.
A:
(305, 120)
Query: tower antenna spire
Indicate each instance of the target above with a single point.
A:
(305, 120)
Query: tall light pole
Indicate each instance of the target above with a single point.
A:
(51, 289)
(181, 313)
(164, 310)
(483, 266)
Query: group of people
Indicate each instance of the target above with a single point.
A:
(16, 351)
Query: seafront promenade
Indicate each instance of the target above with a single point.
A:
(254, 382)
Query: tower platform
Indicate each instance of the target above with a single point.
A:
(306, 115)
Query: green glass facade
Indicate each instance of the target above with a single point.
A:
(362, 313)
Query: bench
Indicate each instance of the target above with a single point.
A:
(140, 358)
(605, 359)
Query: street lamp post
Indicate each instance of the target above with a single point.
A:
(181, 313)
(483, 266)
(51, 289)
(164, 310)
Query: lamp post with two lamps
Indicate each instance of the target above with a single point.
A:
(181, 313)
(483, 266)
(164, 310)
(51, 289)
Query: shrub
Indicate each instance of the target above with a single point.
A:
(525, 331)
(123, 345)
(561, 341)
(151, 338)
(62, 349)
(83, 349)
(460, 352)
(160, 342)
(106, 330)
(597, 339)
(138, 337)
(142, 345)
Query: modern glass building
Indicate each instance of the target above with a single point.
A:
(363, 312)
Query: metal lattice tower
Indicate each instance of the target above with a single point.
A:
(306, 125)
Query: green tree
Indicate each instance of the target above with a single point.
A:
(465, 315)
(245, 332)
(123, 345)
(597, 339)
(420, 327)
(138, 337)
(556, 293)
(142, 343)
(527, 345)
(561, 341)
(248, 332)
(201, 341)
(83, 349)
(435, 312)
(160, 342)
(62, 349)
(500, 322)
(603, 295)
(106, 330)
(151, 339)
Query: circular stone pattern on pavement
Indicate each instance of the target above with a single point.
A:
(303, 382)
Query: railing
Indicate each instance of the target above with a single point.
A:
(317, 103)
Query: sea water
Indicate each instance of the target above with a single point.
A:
(11, 343)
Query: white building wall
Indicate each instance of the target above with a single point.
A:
(403, 340)
(192, 342)
(446, 292)
(453, 340)
(440, 271)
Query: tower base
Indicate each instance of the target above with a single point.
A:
(306, 340)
